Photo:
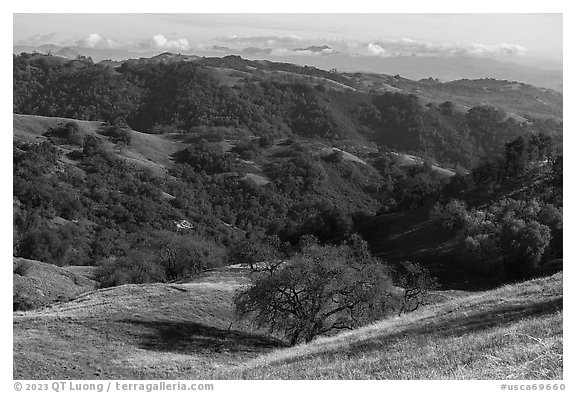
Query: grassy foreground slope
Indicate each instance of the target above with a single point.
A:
(513, 332)
(147, 331)
(188, 331)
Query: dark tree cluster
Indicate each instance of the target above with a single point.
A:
(76, 89)
(520, 155)
(516, 236)
(519, 229)
(403, 122)
(297, 175)
(82, 215)
(324, 289)
(68, 133)
(159, 97)
(205, 157)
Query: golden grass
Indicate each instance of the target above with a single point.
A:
(187, 330)
(30, 128)
(36, 284)
(145, 331)
(514, 332)
(146, 150)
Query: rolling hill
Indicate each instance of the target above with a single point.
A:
(519, 100)
(37, 284)
(160, 175)
(187, 330)
(513, 332)
(413, 67)
(147, 331)
(147, 150)
(256, 98)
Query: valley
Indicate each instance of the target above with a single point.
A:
(174, 216)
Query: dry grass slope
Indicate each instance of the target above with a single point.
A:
(37, 284)
(148, 331)
(187, 330)
(31, 128)
(514, 332)
(146, 150)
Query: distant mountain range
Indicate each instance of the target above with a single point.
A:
(411, 67)
(442, 68)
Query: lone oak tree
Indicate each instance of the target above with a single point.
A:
(320, 290)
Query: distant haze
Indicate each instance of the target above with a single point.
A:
(524, 47)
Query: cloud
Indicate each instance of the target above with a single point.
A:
(410, 47)
(277, 46)
(296, 45)
(376, 50)
(38, 39)
(158, 41)
(271, 41)
(95, 40)
(314, 50)
(92, 41)
(293, 45)
(498, 49)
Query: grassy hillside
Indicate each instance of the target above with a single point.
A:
(187, 330)
(148, 331)
(515, 98)
(37, 284)
(264, 180)
(514, 332)
(175, 167)
(284, 100)
(31, 128)
(146, 150)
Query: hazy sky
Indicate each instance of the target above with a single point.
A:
(497, 35)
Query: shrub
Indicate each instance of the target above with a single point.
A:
(297, 175)
(335, 157)
(453, 215)
(118, 132)
(252, 253)
(184, 255)
(523, 243)
(447, 108)
(416, 282)
(167, 256)
(69, 132)
(246, 149)
(137, 267)
(265, 141)
(205, 157)
(92, 146)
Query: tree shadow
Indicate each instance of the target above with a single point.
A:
(189, 337)
(452, 324)
(180, 156)
(180, 137)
